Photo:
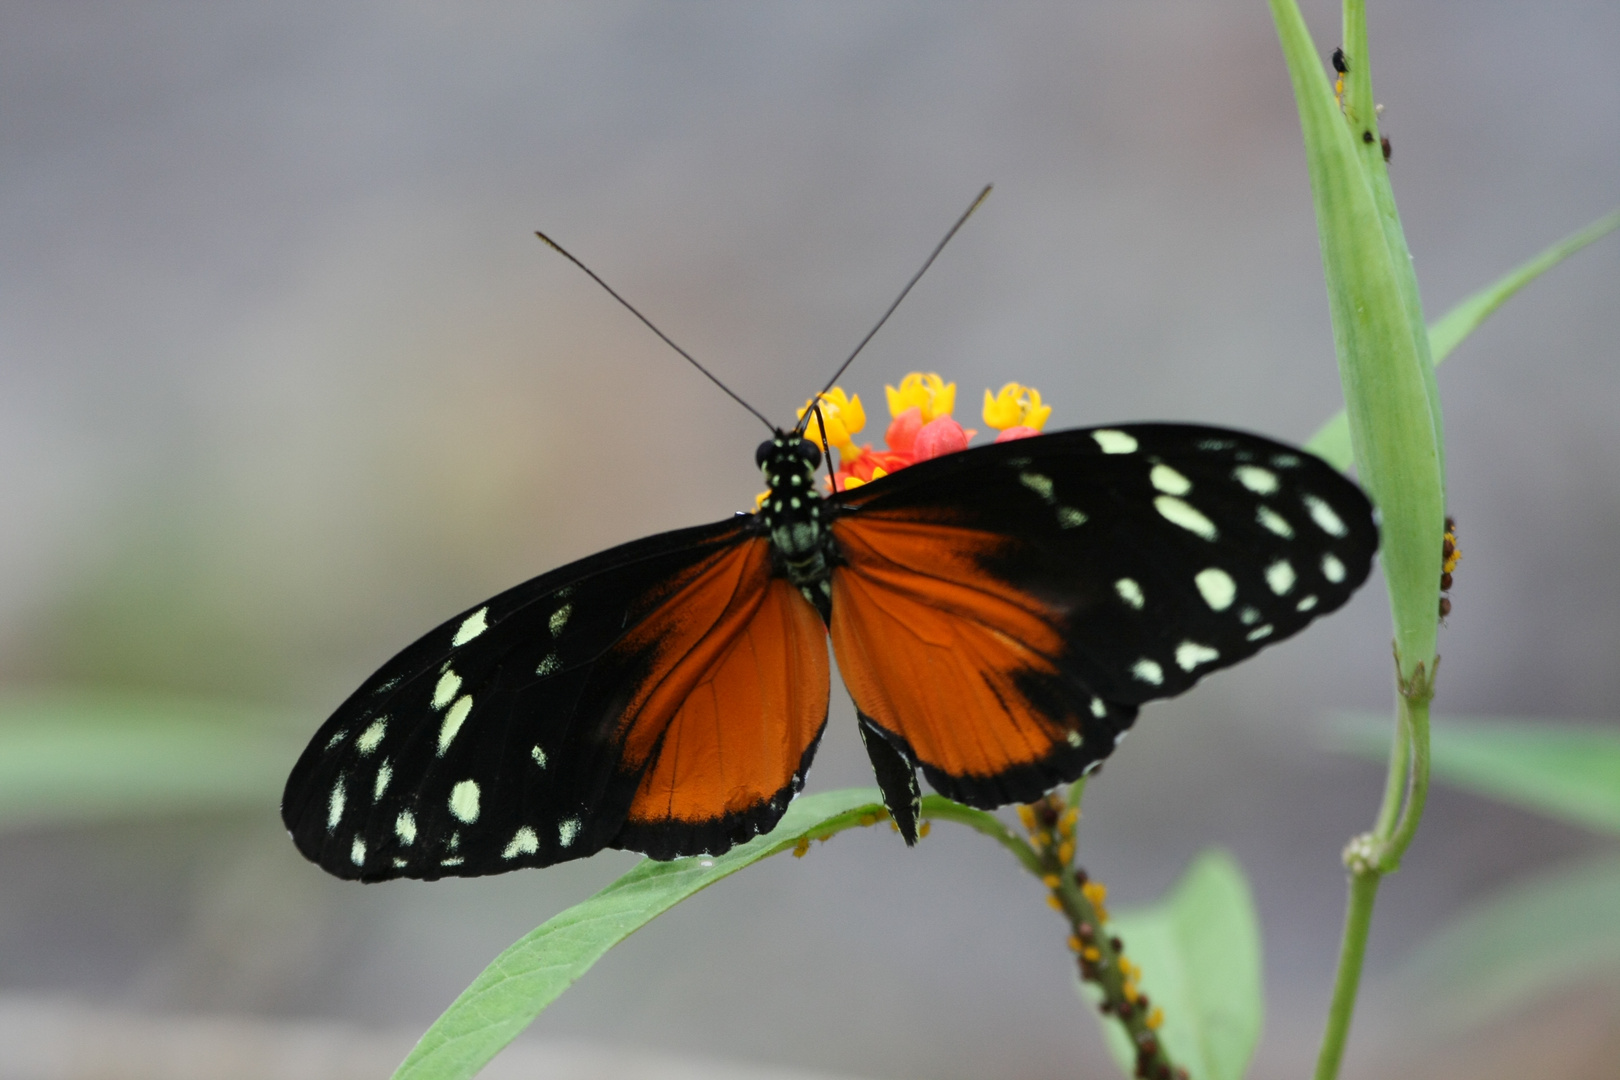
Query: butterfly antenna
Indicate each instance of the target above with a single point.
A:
(826, 448)
(983, 195)
(559, 249)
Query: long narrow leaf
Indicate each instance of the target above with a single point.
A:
(1378, 336)
(530, 974)
(1536, 936)
(1199, 951)
(75, 756)
(1332, 440)
(1568, 771)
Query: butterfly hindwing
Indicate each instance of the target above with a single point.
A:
(520, 733)
(1058, 582)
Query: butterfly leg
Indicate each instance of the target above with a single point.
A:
(896, 776)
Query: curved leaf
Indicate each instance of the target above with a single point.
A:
(74, 756)
(1199, 951)
(1332, 440)
(1526, 940)
(530, 974)
(1565, 770)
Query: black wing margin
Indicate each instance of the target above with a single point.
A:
(1158, 553)
(503, 716)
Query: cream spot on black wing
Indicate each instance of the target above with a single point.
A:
(1216, 587)
(1148, 671)
(445, 692)
(1114, 442)
(372, 737)
(1167, 480)
(524, 842)
(560, 618)
(1274, 522)
(1130, 592)
(1258, 480)
(1179, 513)
(453, 721)
(464, 801)
(1332, 568)
(1325, 517)
(1189, 654)
(405, 827)
(334, 806)
(471, 627)
(1280, 576)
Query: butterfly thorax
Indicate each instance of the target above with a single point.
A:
(796, 518)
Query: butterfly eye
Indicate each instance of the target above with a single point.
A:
(810, 452)
(764, 452)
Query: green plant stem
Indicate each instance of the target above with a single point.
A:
(1357, 921)
(1414, 717)
(1396, 780)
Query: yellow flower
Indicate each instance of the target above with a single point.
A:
(843, 416)
(854, 481)
(928, 392)
(1015, 406)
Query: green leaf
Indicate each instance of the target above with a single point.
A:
(1332, 440)
(1565, 770)
(76, 756)
(530, 974)
(1378, 335)
(1531, 938)
(1199, 951)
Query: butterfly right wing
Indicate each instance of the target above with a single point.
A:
(551, 721)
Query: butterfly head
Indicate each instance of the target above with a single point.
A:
(788, 454)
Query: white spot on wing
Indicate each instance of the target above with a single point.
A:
(471, 627)
(539, 756)
(1189, 654)
(405, 828)
(336, 738)
(1326, 520)
(524, 842)
(1179, 513)
(1305, 604)
(567, 830)
(464, 801)
(371, 737)
(1068, 517)
(1040, 485)
(1114, 442)
(1332, 568)
(357, 852)
(560, 618)
(453, 721)
(385, 773)
(1274, 522)
(1130, 592)
(454, 860)
(549, 666)
(1280, 576)
(1148, 671)
(1258, 480)
(445, 692)
(1074, 738)
(1099, 708)
(1169, 481)
(334, 806)
(1259, 632)
(1216, 587)
(1249, 616)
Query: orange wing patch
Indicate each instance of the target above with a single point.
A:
(933, 648)
(736, 698)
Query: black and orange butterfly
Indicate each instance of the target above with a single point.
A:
(998, 616)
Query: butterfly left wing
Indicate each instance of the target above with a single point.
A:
(1001, 612)
(664, 696)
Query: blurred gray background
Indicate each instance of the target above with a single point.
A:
(285, 379)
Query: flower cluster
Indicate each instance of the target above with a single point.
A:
(920, 425)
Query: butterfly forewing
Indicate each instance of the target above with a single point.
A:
(1058, 582)
(519, 732)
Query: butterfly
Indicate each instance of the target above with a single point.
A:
(998, 616)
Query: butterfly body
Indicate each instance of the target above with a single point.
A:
(998, 616)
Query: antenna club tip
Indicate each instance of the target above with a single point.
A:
(548, 241)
